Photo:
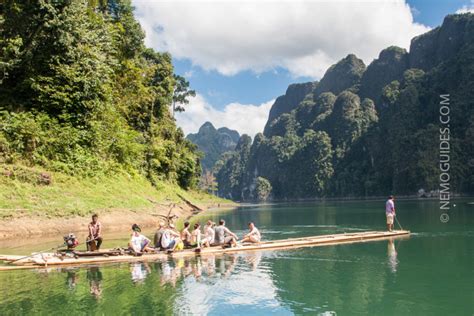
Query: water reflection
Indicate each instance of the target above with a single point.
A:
(72, 278)
(139, 271)
(94, 275)
(233, 280)
(392, 255)
(198, 268)
(355, 279)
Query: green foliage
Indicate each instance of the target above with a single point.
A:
(263, 189)
(181, 93)
(231, 175)
(82, 95)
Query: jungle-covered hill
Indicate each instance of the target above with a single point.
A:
(213, 143)
(81, 96)
(367, 130)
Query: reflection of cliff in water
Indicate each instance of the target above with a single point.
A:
(331, 279)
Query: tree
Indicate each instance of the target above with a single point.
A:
(263, 189)
(208, 182)
(80, 93)
(181, 94)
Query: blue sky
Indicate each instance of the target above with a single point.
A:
(237, 77)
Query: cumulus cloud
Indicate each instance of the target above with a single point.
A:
(467, 8)
(305, 37)
(245, 118)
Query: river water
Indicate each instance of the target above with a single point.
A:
(431, 273)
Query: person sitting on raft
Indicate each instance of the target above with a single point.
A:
(209, 234)
(158, 234)
(253, 236)
(186, 236)
(196, 236)
(224, 236)
(138, 242)
(171, 239)
(94, 239)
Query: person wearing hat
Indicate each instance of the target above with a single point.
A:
(139, 243)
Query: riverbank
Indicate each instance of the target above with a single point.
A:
(35, 202)
(112, 220)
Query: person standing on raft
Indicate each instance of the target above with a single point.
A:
(390, 212)
(94, 240)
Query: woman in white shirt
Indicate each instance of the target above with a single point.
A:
(138, 242)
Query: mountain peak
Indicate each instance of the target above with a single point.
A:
(342, 75)
(213, 142)
(207, 127)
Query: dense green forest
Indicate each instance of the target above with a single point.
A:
(80, 94)
(366, 131)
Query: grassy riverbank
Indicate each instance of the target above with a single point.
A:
(34, 201)
(21, 194)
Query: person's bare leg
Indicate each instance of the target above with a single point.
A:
(147, 249)
(252, 239)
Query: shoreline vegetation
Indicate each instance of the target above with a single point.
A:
(87, 122)
(64, 204)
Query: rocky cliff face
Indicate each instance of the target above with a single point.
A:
(442, 43)
(213, 142)
(290, 100)
(365, 131)
(341, 76)
(346, 74)
(389, 66)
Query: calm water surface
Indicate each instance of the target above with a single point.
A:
(431, 273)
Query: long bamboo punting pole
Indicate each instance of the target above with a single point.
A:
(311, 241)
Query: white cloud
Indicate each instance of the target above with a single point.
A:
(245, 118)
(305, 37)
(467, 8)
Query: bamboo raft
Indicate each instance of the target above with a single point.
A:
(53, 259)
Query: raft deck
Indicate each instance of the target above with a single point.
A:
(52, 259)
